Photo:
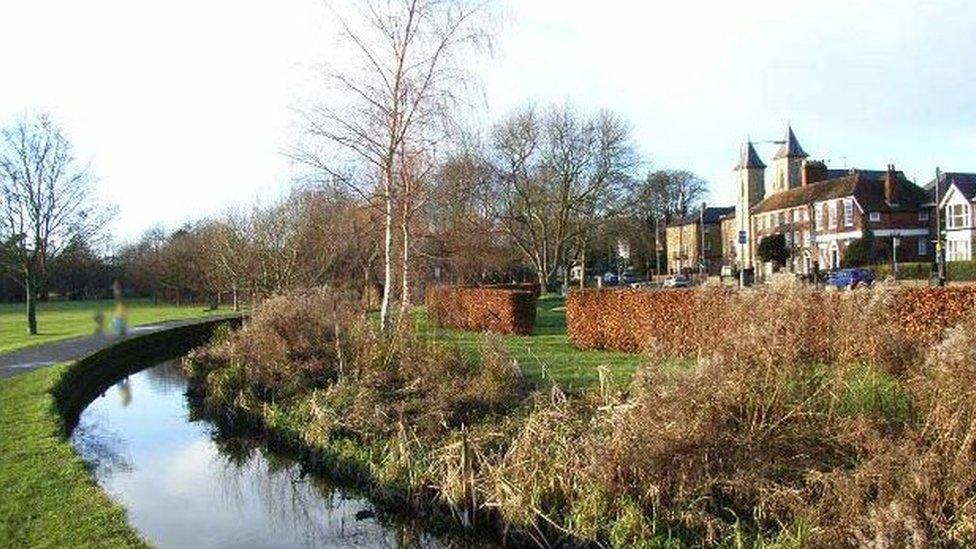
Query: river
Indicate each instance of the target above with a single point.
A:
(184, 485)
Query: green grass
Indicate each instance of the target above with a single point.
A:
(47, 495)
(547, 355)
(58, 320)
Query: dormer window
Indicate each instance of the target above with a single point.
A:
(874, 217)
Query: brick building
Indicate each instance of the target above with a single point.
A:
(822, 216)
(696, 238)
(820, 211)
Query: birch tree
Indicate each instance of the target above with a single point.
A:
(48, 201)
(405, 72)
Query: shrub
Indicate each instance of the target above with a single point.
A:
(291, 344)
(925, 313)
(773, 248)
(961, 270)
(683, 323)
(859, 252)
(906, 271)
(490, 309)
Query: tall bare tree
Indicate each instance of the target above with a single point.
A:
(397, 93)
(47, 201)
(664, 195)
(559, 175)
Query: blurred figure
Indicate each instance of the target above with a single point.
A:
(125, 391)
(99, 318)
(119, 320)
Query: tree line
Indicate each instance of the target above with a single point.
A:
(398, 188)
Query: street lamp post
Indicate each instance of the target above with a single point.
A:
(939, 252)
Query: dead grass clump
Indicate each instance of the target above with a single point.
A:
(291, 344)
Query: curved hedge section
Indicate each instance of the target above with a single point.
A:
(501, 310)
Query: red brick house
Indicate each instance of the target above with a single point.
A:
(831, 208)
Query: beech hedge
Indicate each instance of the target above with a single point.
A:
(501, 310)
(682, 322)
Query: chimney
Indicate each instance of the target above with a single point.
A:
(813, 171)
(889, 184)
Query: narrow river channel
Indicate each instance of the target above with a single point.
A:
(184, 486)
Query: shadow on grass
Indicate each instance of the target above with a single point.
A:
(551, 316)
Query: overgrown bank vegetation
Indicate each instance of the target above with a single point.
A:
(796, 425)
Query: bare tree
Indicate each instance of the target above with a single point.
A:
(397, 94)
(664, 195)
(48, 201)
(560, 174)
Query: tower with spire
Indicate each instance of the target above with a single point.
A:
(788, 164)
(750, 180)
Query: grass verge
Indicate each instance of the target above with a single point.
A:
(547, 355)
(58, 320)
(47, 495)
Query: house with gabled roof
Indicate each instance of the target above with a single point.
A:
(957, 192)
(820, 211)
(821, 217)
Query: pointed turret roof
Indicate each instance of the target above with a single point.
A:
(748, 158)
(791, 147)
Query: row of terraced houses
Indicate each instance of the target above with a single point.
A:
(820, 211)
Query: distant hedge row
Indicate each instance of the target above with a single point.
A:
(681, 323)
(963, 271)
(503, 310)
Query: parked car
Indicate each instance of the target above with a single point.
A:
(677, 281)
(628, 279)
(850, 278)
(610, 279)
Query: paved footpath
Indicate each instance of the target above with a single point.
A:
(47, 354)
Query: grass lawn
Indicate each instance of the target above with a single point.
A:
(66, 319)
(547, 355)
(47, 496)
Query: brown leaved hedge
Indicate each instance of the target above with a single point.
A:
(501, 310)
(683, 323)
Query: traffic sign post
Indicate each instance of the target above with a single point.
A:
(743, 238)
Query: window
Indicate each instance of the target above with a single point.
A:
(796, 239)
(874, 217)
(848, 213)
(818, 216)
(958, 216)
(789, 240)
(806, 214)
(806, 239)
(796, 215)
(923, 246)
(832, 215)
(923, 215)
(708, 245)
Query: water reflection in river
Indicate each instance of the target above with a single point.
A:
(184, 489)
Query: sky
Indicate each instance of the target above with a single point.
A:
(184, 108)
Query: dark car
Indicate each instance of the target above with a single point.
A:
(851, 278)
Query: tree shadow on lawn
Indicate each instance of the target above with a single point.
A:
(550, 316)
